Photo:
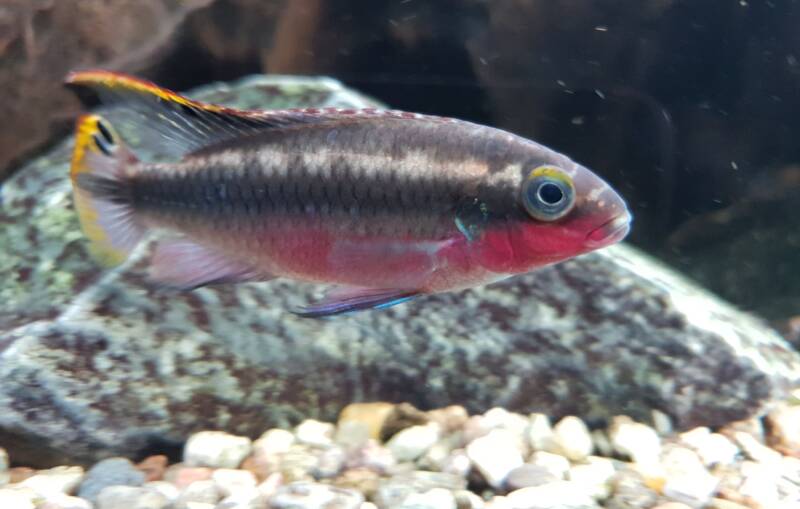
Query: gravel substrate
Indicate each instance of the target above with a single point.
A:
(381, 455)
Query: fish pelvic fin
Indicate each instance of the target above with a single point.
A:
(346, 300)
(168, 123)
(102, 198)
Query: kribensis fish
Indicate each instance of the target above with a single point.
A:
(387, 205)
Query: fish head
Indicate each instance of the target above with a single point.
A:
(560, 209)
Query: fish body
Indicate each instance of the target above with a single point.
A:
(387, 205)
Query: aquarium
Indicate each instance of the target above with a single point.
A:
(455, 254)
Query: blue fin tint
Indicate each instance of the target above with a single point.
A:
(347, 300)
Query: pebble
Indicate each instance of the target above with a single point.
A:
(540, 433)
(458, 463)
(57, 480)
(572, 438)
(315, 433)
(206, 492)
(216, 449)
(368, 418)
(436, 498)
(594, 476)
(371, 455)
(130, 497)
(64, 502)
(713, 448)
(312, 495)
(760, 483)
(109, 472)
(273, 442)
(245, 498)
(230, 481)
(557, 495)
(630, 491)
(468, 500)
(555, 464)
(784, 429)
(451, 418)
(672, 505)
(500, 418)
(495, 455)
(635, 440)
(411, 443)
(755, 450)
(182, 476)
(686, 479)
(17, 499)
(169, 490)
(329, 463)
(529, 475)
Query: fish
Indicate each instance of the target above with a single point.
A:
(382, 206)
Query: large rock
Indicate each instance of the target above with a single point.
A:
(96, 364)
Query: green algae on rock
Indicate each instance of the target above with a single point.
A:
(94, 363)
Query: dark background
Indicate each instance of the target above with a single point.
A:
(689, 108)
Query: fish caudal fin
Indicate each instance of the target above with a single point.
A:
(100, 166)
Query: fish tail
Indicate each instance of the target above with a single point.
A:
(101, 166)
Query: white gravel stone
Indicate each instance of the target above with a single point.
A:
(167, 489)
(595, 476)
(55, 480)
(755, 450)
(315, 433)
(636, 440)
(457, 463)
(686, 478)
(713, 448)
(330, 462)
(312, 495)
(351, 434)
(540, 433)
(557, 495)
(273, 442)
(500, 418)
(555, 464)
(130, 497)
(206, 492)
(230, 481)
(216, 449)
(244, 498)
(499, 502)
(411, 443)
(760, 483)
(437, 498)
(495, 455)
(466, 499)
(62, 501)
(18, 499)
(572, 438)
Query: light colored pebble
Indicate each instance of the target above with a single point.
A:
(364, 419)
(540, 433)
(55, 480)
(557, 495)
(182, 476)
(436, 498)
(273, 442)
(62, 501)
(499, 502)
(206, 492)
(500, 418)
(495, 455)
(638, 441)
(367, 505)
(230, 480)
(352, 434)
(373, 456)
(572, 438)
(199, 505)
(555, 464)
(411, 443)
(393, 491)
(308, 495)
(529, 475)
(244, 498)
(167, 489)
(755, 450)
(672, 505)
(450, 418)
(216, 449)
(760, 483)
(686, 478)
(713, 448)
(466, 499)
(330, 463)
(18, 499)
(457, 463)
(594, 475)
(721, 503)
(784, 428)
(315, 433)
(130, 497)
(109, 472)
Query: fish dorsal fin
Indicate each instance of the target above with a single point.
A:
(170, 124)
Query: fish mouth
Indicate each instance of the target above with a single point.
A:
(611, 231)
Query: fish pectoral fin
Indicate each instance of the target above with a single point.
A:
(346, 299)
(168, 123)
(184, 264)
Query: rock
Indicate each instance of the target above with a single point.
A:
(216, 449)
(368, 417)
(450, 418)
(613, 328)
(457, 462)
(686, 479)
(529, 475)
(329, 463)
(304, 494)
(713, 448)
(57, 480)
(630, 491)
(401, 417)
(153, 467)
(755, 450)
(760, 484)
(495, 455)
(182, 476)
(393, 491)
(411, 443)
(557, 495)
(65, 502)
(557, 465)
(169, 490)
(672, 505)
(784, 429)
(204, 492)
(500, 418)
(18, 499)
(245, 498)
(129, 497)
(315, 433)
(572, 439)
(636, 440)
(230, 481)
(540, 433)
(372, 456)
(109, 472)
(594, 476)
(437, 498)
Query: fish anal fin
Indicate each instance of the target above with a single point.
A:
(344, 299)
(184, 264)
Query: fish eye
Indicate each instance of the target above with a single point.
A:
(548, 193)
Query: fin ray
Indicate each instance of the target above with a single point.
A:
(341, 300)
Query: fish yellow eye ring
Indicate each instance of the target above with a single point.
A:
(548, 193)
